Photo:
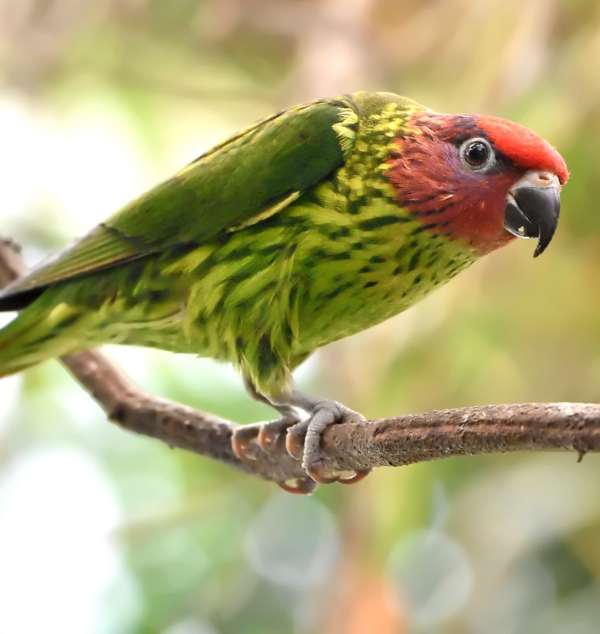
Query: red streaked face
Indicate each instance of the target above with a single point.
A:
(455, 173)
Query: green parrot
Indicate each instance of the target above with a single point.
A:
(311, 225)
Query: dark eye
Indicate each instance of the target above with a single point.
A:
(477, 154)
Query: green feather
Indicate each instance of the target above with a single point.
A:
(259, 169)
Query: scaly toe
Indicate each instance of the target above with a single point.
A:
(359, 474)
(303, 486)
(323, 416)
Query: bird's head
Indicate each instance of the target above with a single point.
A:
(478, 179)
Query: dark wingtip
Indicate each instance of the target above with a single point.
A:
(19, 300)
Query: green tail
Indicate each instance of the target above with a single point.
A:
(15, 354)
(35, 336)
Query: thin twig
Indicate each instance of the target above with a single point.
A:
(391, 441)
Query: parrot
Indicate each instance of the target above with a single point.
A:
(309, 226)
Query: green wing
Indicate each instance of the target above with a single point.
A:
(251, 175)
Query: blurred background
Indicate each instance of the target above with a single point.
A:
(105, 532)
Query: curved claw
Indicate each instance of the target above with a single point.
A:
(304, 486)
(359, 474)
(320, 477)
(241, 441)
(294, 441)
(267, 438)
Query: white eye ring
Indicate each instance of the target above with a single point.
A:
(477, 155)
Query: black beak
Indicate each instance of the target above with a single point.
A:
(532, 212)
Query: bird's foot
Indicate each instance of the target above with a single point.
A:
(267, 434)
(304, 439)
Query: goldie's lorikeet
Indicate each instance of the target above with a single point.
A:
(311, 225)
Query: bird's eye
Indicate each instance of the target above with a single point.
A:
(477, 154)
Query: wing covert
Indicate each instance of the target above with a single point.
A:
(263, 167)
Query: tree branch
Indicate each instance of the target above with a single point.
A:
(392, 441)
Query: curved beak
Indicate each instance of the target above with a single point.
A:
(533, 207)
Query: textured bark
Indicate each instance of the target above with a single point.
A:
(385, 442)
